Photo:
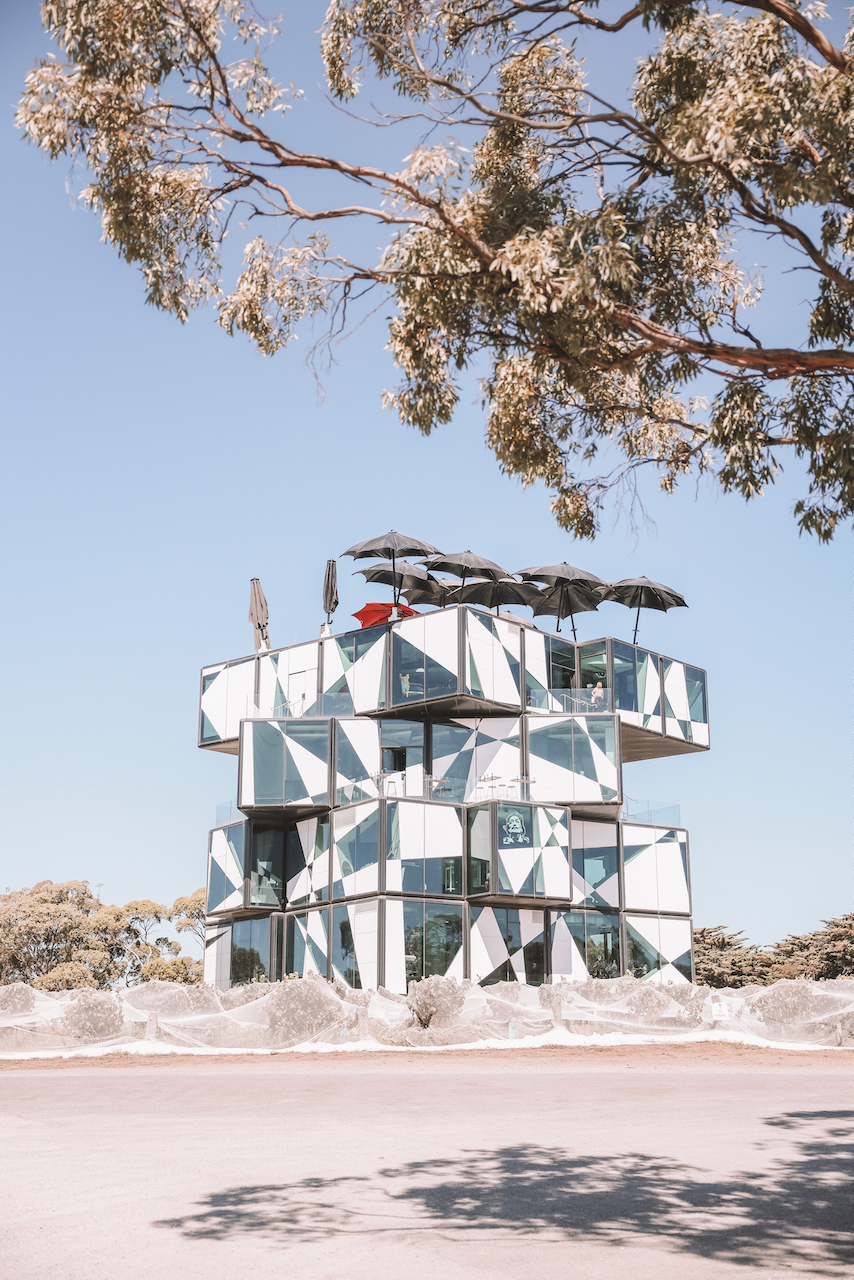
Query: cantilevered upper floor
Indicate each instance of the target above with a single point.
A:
(457, 662)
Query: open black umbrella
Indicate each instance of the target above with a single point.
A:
(641, 593)
(330, 590)
(398, 574)
(258, 615)
(465, 564)
(492, 593)
(553, 574)
(436, 591)
(567, 599)
(390, 546)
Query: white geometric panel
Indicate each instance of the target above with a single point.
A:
(313, 771)
(351, 873)
(310, 945)
(310, 883)
(358, 760)
(492, 658)
(214, 701)
(671, 860)
(567, 958)
(395, 958)
(550, 759)
(225, 873)
(675, 943)
(649, 691)
(489, 943)
(241, 694)
(287, 682)
(640, 871)
(488, 948)
(363, 921)
(491, 759)
(440, 638)
(605, 782)
(366, 678)
(217, 963)
(595, 874)
(677, 712)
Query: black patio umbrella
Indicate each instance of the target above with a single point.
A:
(330, 590)
(399, 574)
(436, 591)
(641, 593)
(565, 600)
(258, 615)
(553, 574)
(465, 564)
(390, 546)
(492, 593)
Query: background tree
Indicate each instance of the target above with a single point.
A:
(144, 917)
(188, 915)
(724, 959)
(589, 253)
(62, 926)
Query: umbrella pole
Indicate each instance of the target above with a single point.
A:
(637, 621)
(574, 632)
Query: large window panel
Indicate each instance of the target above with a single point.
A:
(479, 850)
(267, 866)
(492, 649)
(250, 951)
(440, 653)
(625, 680)
(354, 944)
(422, 939)
(596, 880)
(592, 665)
(358, 760)
(649, 691)
(226, 867)
(306, 944)
(402, 757)
(516, 840)
(355, 858)
(268, 761)
(307, 862)
(585, 944)
(507, 945)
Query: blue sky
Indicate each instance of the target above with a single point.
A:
(152, 469)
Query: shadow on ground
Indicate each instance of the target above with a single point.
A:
(798, 1213)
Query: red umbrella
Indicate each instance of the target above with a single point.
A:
(372, 614)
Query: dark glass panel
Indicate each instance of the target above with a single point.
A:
(561, 660)
(312, 735)
(478, 850)
(268, 752)
(592, 665)
(209, 733)
(413, 940)
(367, 841)
(216, 888)
(365, 639)
(250, 951)
(267, 876)
(407, 671)
(450, 740)
(696, 685)
(443, 875)
(642, 956)
(236, 837)
(208, 680)
(625, 678)
(443, 936)
(439, 681)
(343, 947)
(603, 946)
(552, 742)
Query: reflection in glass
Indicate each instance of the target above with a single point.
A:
(695, 681)
(344, 948)
(625, 679)
(533, 952)
(603, 945)
(267, 867)
(643, 958)
(433, 936)
(268, 750)
(592, 665)
(250, 951)
(358, 849)
(312, 736)
(407, 671)
(479, 851)
(449, 740)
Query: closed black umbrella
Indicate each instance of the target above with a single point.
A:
(567, 599)
(391, 546)
(492, 593)
(330, 590)
(258, 615)
(641, 593)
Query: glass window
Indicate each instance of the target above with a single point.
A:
(643, 957)
(250, 951)
(561, 658)
(305, 946)
(592, 665)
(449, 743)
(357, 849)
(407, 671)
(433, 937)
(402, 744)
(552, 742)
(313, 737)
(603, 733)
(515, 826)
(268, 754)
(267, 869)
(507, 919)
(216, 885)
(442, 875)
(344, 948)
(625, 678)
(695, 681)
(478, 850)
(603, 945)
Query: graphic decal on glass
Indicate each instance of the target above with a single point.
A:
(227, 690)
(424, 658)
(306, 944)
(533, 851)
(355, 850)
(354, 944)
(685, 710)
(284, 762)
(354, 672)
(573, 759)
(492, 650)
(287, 682)
(476, 760)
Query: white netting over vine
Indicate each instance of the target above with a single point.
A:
(438, 1012)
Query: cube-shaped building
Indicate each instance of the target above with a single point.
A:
(442, 794)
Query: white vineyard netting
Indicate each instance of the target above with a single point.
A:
(438, 1012)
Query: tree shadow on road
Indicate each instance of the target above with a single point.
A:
(795, 1214)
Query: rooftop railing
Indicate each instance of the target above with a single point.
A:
(571, 701)
(654, 813)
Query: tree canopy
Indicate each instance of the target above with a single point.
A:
(588, 254)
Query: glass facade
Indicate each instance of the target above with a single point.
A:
(250, 951)
(355, 863)
(595, 864)
(345, 661)
(423, 659)
(306, 944)
(625, 677)
(596, 938)
(521, 933)
(592, 665)
(424, 849)
(479, 850)
(433, 938)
